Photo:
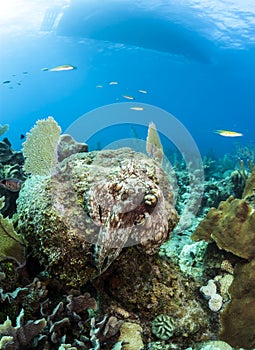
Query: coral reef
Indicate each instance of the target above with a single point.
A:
(148, 286)
(94, 222)
(63, 317)
(11, 167)
(231, 226)
(109, 199)
(20, 336)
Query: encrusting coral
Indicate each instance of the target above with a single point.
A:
(231, 226)
(238, 318)
(130, 336)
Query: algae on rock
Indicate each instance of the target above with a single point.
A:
(12, 245)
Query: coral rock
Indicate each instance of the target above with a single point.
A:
(238, 318)
(231, 226)
(67, 146)
(130, 335)
(79, 220)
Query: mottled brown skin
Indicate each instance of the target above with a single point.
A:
(78, 221)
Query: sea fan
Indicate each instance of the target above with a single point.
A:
(40, 147)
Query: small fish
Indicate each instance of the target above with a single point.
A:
(128, 97)
(13, 185)
(99, 86)
(143, 91)
(22, 136)
(113, 83)
(25, 72)
(6, 82)
(137, 108)
(64, 67)
(228, 133)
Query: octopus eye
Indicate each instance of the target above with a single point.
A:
(150, 199)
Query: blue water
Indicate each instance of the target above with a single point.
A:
(191, 65)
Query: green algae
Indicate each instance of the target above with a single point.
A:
(11, 244)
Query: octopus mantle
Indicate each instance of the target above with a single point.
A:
(78, 221)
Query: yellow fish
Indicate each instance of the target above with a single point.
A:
(137, 108)
(143, 91)
(64, 67)
(228, 133)
(128, 97)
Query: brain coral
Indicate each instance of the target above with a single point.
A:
(163, 327)
(78, 220)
